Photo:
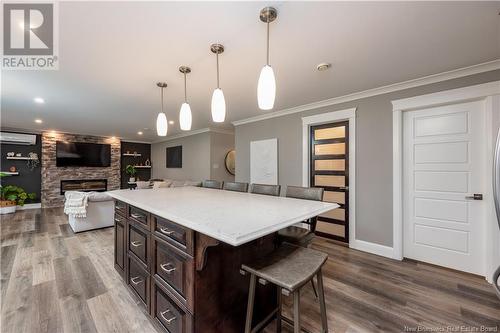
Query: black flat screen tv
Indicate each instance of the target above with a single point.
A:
(83, 154)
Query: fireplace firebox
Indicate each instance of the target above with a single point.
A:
(84, 185)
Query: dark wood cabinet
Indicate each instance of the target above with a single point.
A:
(187, 281)
(120, 244)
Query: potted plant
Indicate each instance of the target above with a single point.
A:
(12, 196)
(131, 171)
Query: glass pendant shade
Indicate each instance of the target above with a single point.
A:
(185, 117)
(266, 88)
(218, 106)
(161, 124)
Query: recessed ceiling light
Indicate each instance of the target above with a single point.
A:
(171, 122)
(38, 121)
(39, 100)
(140, 132)
(323, 66)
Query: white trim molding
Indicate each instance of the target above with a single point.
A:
(381, 250)
(29, 206)
(195, 132)
(444, 76)
(477, 92)
(330, 117)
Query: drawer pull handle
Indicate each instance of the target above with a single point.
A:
(167, 270)
(118, 220)
(136, 244)
(119, 207)
(137, 216)
(166, 231)
(133, 280)
(168, 321)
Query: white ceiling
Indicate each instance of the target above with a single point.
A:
(113, 53)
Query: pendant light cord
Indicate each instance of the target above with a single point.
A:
(267, 56)
(217, 57)
(185, 89)
(162, 99)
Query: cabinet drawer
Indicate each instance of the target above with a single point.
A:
(176, 269)
(138, 215)
(177, 235)
(170, 315)
(139, 281)
(120, 208)
(138, 242)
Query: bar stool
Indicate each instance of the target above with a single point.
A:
(289, 268)
(212, 184)
(235, 186)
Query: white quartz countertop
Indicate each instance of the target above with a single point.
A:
(234, 218)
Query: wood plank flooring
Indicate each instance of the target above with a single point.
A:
(55, 281)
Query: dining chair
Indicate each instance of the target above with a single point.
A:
(212, 184)
(235, 186)
(264, 189)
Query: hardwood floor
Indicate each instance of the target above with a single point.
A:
(55, 281)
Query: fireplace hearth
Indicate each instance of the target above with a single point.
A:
(84, 185)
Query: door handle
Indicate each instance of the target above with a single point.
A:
(475, 196)
(133, 280)
(162, 314)
(165, 268)
(136, 244)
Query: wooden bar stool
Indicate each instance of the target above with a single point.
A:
(289, 268)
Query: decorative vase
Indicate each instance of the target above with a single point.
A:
(131, 180)
(148, 162)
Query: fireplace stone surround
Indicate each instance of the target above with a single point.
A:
(53, 175)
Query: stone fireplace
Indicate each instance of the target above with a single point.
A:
(83, 178)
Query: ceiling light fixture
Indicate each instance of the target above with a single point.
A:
(140, 133)
(39, 100)
(323, 66)
(266, 87)
(185, 116)
(161, 120)
(218, 101)
(171, 122)
(38, 121)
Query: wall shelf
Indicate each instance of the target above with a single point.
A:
(133, 154)
(22, 158)
(10, 173)
(142, 166)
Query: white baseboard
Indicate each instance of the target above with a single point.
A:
(29, 206)
(381, 250)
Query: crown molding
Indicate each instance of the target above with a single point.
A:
(444, 76)
(196, 132)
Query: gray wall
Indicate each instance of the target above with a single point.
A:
(373, 152)
(195, 158)
(202, 157)
(220, 145)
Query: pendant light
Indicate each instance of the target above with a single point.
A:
(161, 120)
(185, 117)
(218, 101)
(266, 87)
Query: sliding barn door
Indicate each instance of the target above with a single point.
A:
(330, 170)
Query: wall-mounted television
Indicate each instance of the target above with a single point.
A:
(83, 154)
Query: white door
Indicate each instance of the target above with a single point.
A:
(444, 165)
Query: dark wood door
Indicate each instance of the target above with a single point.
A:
(329, 169)
(120, 244)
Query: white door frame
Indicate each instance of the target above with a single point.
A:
(486, 92)
(325, 118)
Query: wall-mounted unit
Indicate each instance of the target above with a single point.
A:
(17, 138)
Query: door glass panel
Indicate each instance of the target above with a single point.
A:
(330, 149)
(326, 180)
(329, 133)
(336, 214)
(330, 228)
(337, 197)
(329, 165)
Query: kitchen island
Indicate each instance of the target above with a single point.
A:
(180, 251)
